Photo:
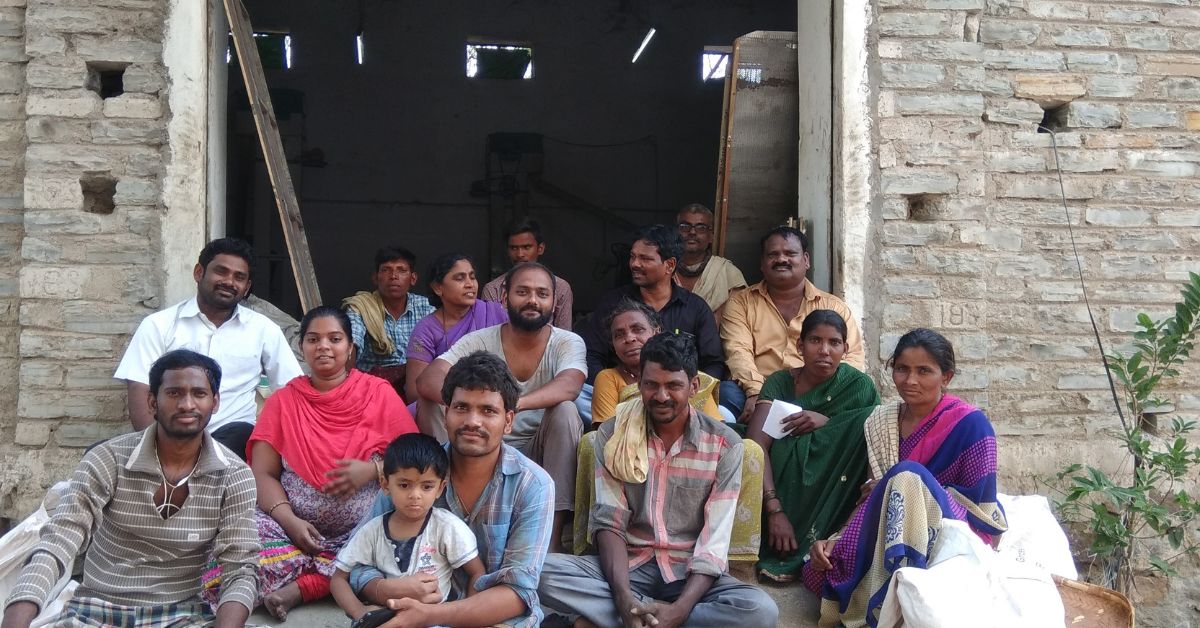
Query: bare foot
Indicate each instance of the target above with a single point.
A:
(583, 622)
(280, 602)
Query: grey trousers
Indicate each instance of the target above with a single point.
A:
(574, 586)
(555, 446)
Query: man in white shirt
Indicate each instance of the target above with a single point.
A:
(245, 343)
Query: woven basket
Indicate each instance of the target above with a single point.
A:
(1090, 606)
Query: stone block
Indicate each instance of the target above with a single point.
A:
(47, 130)
(1013, 111)
(992, 31)
(35, 249)
(137, 192)
(75, 434)
(94, 317)
(952, 263)
(1114, 217)
(12, 78)
(1178, 218)
(133, 106)
(962, 51)
(1129, 267)
(117, 49)
(916, 233)
(45, 44)
(1141, 191)
(997, 59)
(1083, 36)
(1109, 62)
(900, 24)
(1056, 10)
(1015, 161)
(1127, 15)
(150, 132)
(898, 258)
(65, 104)
(910, 287)
(45, 344)
(992, 238)
(12, 107)
(978, 79)
(1179, 88)
(1148, 39)
(1081, 381)
(940, 104)
(1089, 160)
(52, 192)
(70, 222)
(144, 78)
(1049, 89)
(912, 75)
(1152, 116)
(1164, 163)
(12, 22)
(1093, 115)
(919, 182)
(1043, 187)
(47, 282)
(11, 132)
(32, 433)
(56, 73)
(12, 51)
(42, 374)
(1150, 242)
(1114, 86)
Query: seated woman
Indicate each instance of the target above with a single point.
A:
(452, 290)
(812, 475)
(315, 453)
(630, 325)
(931, 456)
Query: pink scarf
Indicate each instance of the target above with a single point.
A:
(949, 411)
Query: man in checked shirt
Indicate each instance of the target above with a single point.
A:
(667, 481)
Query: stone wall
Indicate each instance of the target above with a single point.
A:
(89, 211)
(972, 236)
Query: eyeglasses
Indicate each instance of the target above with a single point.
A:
(698, 227)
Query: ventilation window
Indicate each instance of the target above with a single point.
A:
(714, 63)
(924, 207)
(106, 78)
(98, 193)
(1054, 119)
(511, 61)
(274, 49)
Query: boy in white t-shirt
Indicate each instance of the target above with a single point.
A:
(415, 537)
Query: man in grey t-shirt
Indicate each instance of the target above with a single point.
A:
(549, 363)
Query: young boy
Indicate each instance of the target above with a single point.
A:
(415, 538)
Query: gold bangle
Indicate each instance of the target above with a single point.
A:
(771, 494)
(277, 505)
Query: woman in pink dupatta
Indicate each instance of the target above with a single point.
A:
(931, 456)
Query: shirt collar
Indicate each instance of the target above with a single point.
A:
(191, 308)
(677, 293)
(144, 457)
(811, 293)
(691, 432)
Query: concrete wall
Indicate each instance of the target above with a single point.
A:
(972, 238)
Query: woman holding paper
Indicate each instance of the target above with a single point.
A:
(816, 461)
(934, 457)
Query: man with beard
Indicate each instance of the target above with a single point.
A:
(146, 511)
(711, 277)
(761, 326)
(504, 497)
(524, 243)
(548, 363)
(245, 343)
(667, 483)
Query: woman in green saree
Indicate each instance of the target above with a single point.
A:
(813, 474)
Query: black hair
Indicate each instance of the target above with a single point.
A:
(786, 232)
(626, 305)
(524, 266)
(392, 253)
(322, 311)
(438, 270)
(929, 340)
(227, 246)
(666, 240)
(817, 318)
(671, 351)
(415, 451)
(482, 370)
(182, 359)
(523, 225)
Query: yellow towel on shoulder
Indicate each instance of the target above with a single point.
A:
(625, 454)
(369, 306)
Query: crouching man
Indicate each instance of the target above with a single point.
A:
(146, 510)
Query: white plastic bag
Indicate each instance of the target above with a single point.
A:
(18, 544)
(1034, 536)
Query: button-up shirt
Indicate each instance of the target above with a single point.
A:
(511, 520)
(759, 342)
(681, 517)
(247, 346)
(399, 329)
(683, 312)
(134, 557)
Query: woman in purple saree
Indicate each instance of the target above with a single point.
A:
(931, 456)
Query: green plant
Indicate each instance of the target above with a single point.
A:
(1152, 511)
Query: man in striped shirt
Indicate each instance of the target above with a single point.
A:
(667, 482)
(146, 510)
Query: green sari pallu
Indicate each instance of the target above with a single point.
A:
(818, 475)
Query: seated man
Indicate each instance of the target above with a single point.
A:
(143, 551)
(245, 343)
(504, 497)
(523, 238)
(762, 323)
(711, 277)
(667, 482)
(549, 366)
(382, 321)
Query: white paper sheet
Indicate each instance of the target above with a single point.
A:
(780, 410)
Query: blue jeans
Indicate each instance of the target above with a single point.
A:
(732, 397)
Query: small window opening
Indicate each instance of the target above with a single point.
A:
(98, 192)
(1054, 119)
(714, 64)
(924, 207)
(106, 78)
(358, 48)
(274, 49)
(499, 61)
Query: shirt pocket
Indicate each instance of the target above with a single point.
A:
(493, 544)
(684, 510)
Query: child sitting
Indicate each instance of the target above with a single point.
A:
(414, 538)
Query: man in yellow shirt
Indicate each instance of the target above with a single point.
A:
(762, 323)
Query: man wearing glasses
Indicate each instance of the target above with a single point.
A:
(710, 277)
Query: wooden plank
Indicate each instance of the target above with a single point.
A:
(277, 167)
